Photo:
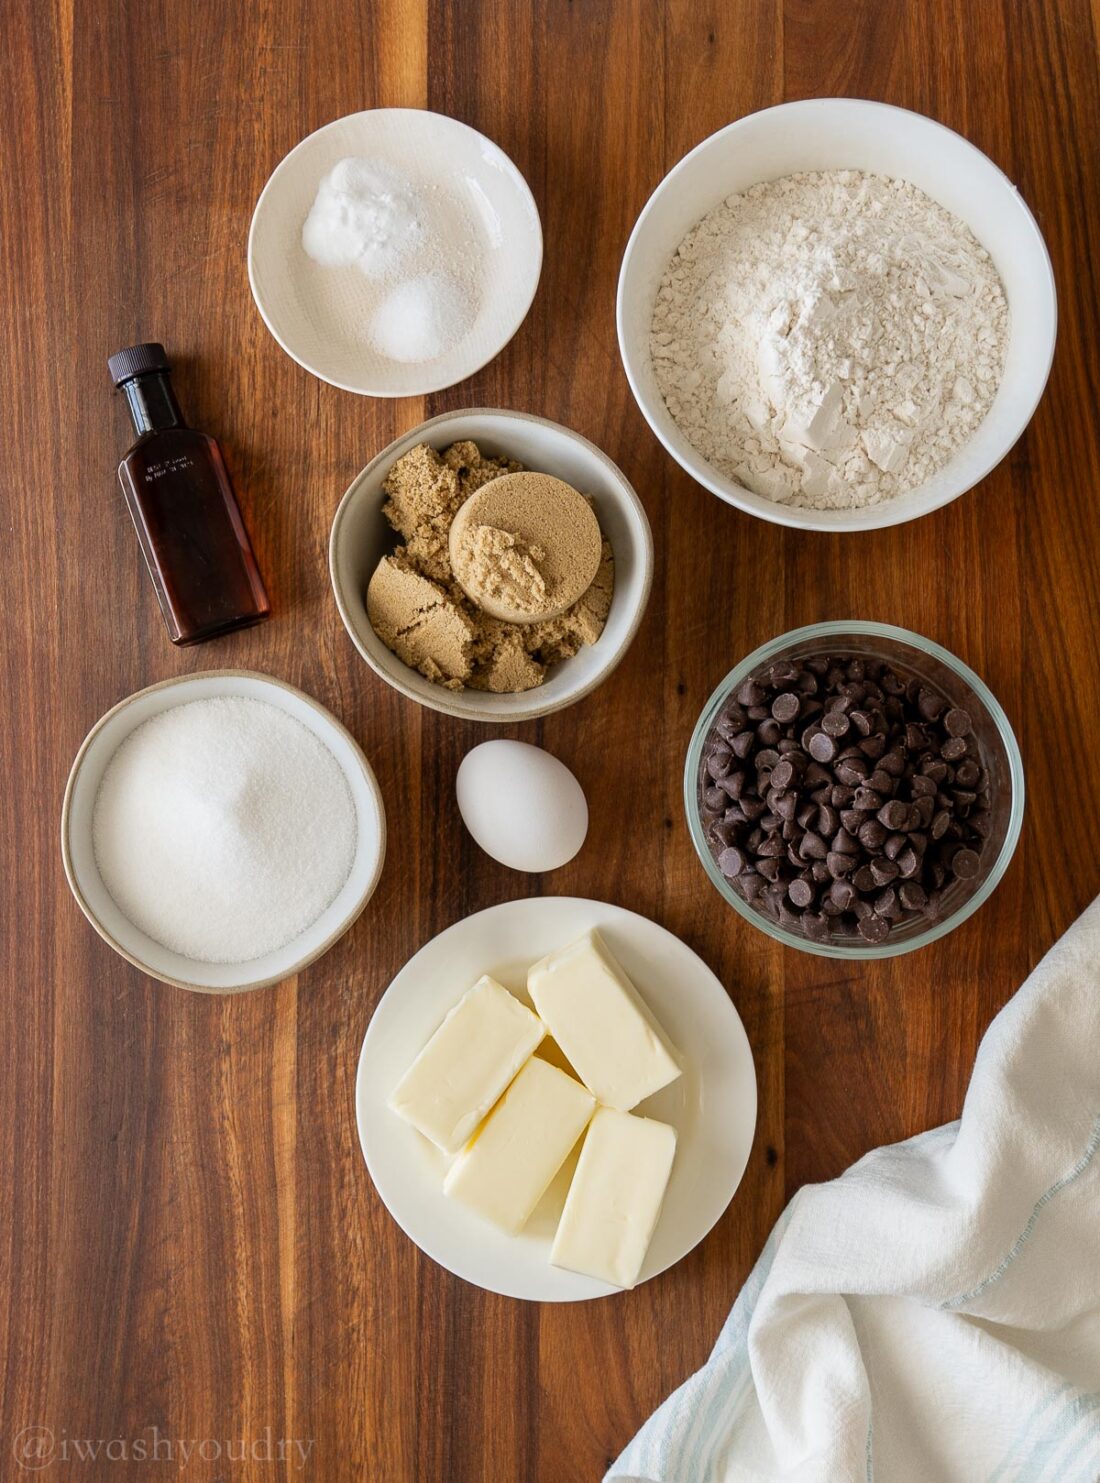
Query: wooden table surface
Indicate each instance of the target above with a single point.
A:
(189, 1239)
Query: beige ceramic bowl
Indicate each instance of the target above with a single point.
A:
(361, 536)
(92, 896)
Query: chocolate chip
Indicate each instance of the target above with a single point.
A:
(883, 871)
(953, 748)
(816, 925)
(874, 928)
(957, 722)
(732, 862)
(912, 896)
(866, 800)
(872, 835)
(719, 762)
(886, 904)
(835, 724)
(965, 864)
(894, 815)
(751, 886)
(783, 773)
(813, 847)
(842, 894)
(786, 804)
(785, 707)
(822, 747)
(930, 705)
(881, 782)
(800, 892)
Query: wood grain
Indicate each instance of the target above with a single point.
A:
(189, 1240)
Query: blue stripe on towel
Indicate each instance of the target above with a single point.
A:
(1023, 1435)
(1057, 1431)
(1025, 1235)
(687, 1430)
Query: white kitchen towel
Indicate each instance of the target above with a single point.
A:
(933, 1315)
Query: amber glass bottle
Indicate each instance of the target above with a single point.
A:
(184, 510)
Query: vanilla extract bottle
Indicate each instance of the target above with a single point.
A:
(184, 510)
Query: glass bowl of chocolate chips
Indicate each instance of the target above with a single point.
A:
(854, 790)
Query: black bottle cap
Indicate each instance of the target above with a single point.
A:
(137, 360)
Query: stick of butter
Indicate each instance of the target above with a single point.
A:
(467, 1064)
(615, 1198)
(605, 1031)
(505, 1171)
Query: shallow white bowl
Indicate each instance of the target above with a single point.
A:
(849, 134)
(78, 854)
(298, 297)
(361, 536)
(712, 1105)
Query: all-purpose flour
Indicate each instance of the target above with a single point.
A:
(829, 340)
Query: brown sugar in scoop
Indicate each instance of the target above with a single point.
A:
(525, 547)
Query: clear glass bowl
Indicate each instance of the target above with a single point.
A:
(911, 655)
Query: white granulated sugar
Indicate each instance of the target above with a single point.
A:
(829, 340)
(223, 828)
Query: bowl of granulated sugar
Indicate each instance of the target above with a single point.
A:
(221, 830)
(836, 314)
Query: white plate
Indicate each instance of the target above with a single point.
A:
(712, 1106)
(317, 314)
(96, 902)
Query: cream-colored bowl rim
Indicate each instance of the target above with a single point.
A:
(112, 941)
(442, 703)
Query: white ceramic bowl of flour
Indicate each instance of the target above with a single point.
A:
(426, 309)
(78, 842)
(850, 134)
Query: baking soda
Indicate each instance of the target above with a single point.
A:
(366, 215)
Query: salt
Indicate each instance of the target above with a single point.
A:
(421, 318)
(223, 828)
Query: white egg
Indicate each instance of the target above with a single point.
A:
(522, 806)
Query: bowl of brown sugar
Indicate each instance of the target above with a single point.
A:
(491, 565)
